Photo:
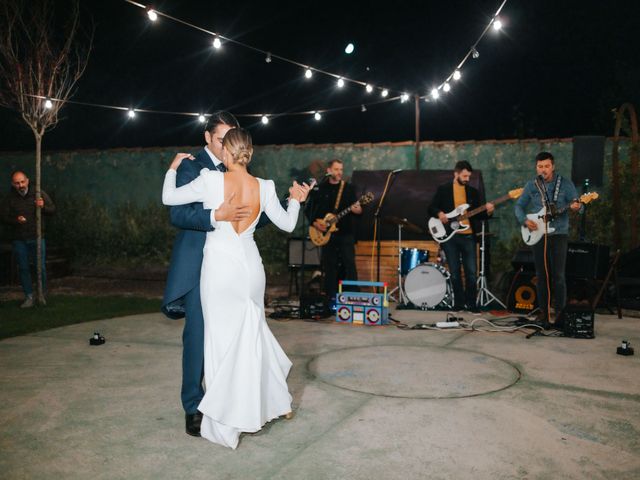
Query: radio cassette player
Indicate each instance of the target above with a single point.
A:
(362, 308)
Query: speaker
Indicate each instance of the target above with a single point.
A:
(523, 260)
(522, 296)
(577, 321)
(311, 254)
(588, 160)
(587, 260)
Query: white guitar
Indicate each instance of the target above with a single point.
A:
(443, 232)
(531, 237)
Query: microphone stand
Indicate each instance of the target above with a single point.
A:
(376, 219)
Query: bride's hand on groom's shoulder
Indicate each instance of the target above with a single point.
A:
(178, 160)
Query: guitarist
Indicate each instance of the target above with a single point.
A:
(460, 250)
(551, 191)
(334, 195)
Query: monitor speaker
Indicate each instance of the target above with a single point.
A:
(588, 160)
(311, 253)
(587, 260)
(522, 296)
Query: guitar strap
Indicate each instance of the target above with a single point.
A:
(556, 191)
(338, 197)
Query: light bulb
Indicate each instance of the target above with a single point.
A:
(317, 116)
(349, 49)
(202, 118)
(131, 113)
(474, 53)
(268, 58)
(404, 97)
(385, 92)
(308, 73)
(48, 104)
(264, 119)
(363, 108)
(434, 93)
(153, 16)
(497, 24)
(217, 44)
(340, 83)
(446, 87)
(457, 75)
(368, 88)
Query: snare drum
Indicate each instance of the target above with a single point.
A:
(427, 286)
(410, 258)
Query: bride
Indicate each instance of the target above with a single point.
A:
(245, 369)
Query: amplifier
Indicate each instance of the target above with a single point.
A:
(523, 259)
(587, 260)
(362, 308)
(522, 296)
(578, 321)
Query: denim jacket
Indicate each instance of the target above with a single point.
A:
(531, 202)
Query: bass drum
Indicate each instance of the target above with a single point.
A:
(427, 286)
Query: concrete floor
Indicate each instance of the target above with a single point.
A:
(371, 403)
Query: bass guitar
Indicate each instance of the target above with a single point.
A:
(531, 237)
(442, 232)
(331, 220)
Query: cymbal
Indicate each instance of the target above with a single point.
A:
(412, 227)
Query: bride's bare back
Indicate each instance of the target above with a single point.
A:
(246, 190)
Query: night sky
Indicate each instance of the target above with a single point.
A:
(557, 69)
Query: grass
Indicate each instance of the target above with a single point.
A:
(68, 309)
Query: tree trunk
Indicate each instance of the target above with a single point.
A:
(39, 286)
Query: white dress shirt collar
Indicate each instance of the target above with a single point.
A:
(214, 159)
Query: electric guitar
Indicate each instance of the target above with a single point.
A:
(331, 220)
(442, 232)
(531, 237)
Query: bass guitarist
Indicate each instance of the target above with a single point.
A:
(553, 193)
(333, 195)
(460, 250)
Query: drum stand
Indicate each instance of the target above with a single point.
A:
(402, 298)
(484, 297)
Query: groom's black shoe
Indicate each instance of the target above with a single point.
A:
(192, 423)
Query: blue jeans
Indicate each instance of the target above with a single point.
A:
(461, 251)
(26, 254)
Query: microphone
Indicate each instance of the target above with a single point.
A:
(397, 170)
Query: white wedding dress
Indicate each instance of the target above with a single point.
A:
(245, 369)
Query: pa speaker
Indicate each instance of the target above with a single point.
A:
(588, 160)
(523, 296)
(311, 253)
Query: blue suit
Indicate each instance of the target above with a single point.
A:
(182, 292)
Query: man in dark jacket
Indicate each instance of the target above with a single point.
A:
(460, 250)
(19, 211)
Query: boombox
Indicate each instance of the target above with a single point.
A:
(362, 308)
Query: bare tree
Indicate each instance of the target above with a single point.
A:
(42, 56)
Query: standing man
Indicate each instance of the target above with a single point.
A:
(19, 211)
(182, 292)
(332, 196)
(557, 192)
(460, 250)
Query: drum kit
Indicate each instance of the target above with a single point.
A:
(423, 284)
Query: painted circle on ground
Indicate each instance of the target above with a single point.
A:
(414, 372)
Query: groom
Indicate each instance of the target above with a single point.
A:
(182, 293)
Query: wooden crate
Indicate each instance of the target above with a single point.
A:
(367, 264)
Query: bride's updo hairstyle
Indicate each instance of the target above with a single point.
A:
(238, 142)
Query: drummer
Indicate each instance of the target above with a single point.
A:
(460, 250)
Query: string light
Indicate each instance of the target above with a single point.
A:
(474, 52)
(217, 43)
(385, 93)
(153, 16)
(202, 118)
(457, 75)
(340, 82)
(434, 93)
(368, 88)
(497, 24)
(264, 119)
(404, 97)
(268, 58)
(349, 49)
(131, 113)
(446, 87)
(308, 73)
(317, 116)
(363, 109)
(48, 104)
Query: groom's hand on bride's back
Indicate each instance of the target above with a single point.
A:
(177, 160)
(229, 212)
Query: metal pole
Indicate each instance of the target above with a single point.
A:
(416, 101)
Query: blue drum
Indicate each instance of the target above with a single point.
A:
(410, 258)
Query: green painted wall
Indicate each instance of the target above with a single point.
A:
(134, 176)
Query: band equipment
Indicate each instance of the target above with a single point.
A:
(578, 321)
(522, 296)
(362, 308)
(331, 220)
(531, 237)
(410, 258)
(443, 232)
(427, 286)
